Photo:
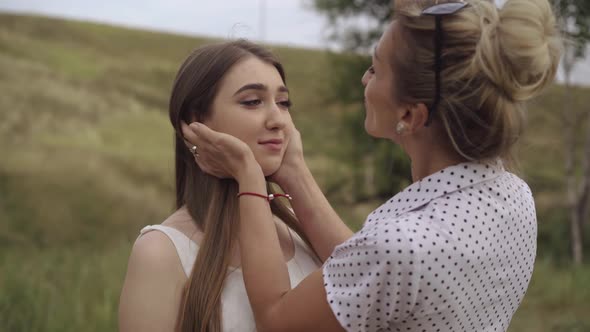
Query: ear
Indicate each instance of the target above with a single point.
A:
(415, 117)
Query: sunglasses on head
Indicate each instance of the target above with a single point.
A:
(438, 10)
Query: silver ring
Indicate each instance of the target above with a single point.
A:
(194, 151)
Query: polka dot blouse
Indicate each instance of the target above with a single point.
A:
(452, 252)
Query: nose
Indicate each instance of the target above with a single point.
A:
(365, 78)
(276, 118)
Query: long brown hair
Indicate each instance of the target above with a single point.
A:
(211, 202)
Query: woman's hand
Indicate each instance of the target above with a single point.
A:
(219, 154)
(292, 160)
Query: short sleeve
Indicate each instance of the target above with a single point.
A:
(372, 280)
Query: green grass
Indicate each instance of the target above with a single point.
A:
(557, 301)
(61, 290)
(87, 161)
(78, 290)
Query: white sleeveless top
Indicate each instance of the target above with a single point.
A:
(236, 311)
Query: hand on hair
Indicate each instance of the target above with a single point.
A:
(219, 154)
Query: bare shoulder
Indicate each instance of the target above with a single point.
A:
(183, 222)
(154, 252)
(153, 285)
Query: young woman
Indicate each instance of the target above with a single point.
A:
(455, 250)
(185, 274)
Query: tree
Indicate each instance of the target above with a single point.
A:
(574, 20)
(356, 24)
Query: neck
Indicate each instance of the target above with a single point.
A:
(430, 162)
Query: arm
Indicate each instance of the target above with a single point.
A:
(319, 221)
(152, 289)
(275, 305)
(323, 227)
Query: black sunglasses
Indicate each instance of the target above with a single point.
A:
(438, 11)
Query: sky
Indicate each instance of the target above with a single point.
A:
(285, 22)
(289, 22)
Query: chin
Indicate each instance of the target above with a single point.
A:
(269, 164)
(269, 167)
(268, 171)
(370, 129)
(376, 132)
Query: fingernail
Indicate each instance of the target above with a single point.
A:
(194, 125)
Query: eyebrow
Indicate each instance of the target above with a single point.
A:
(260, 87)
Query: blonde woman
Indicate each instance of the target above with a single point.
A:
(455, 250)
(184, 275)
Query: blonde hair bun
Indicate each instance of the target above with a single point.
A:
(520, 46)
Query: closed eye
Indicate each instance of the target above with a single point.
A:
(252, 102)
(286, 103)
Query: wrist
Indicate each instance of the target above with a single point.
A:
(296, 163)
(295, 176)
(249, 170)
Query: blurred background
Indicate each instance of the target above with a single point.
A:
(86, 145)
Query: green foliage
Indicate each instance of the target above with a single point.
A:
(78, 290)
(575, 21)
(346, 8)
(345, 84)
(392, 170)
(373, 14)
(379, 170)
(556, 301)
(61, 290)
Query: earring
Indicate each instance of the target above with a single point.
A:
(400, 128)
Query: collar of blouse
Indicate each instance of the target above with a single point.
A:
(443, 182)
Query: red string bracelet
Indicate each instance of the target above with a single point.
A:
(267, 197)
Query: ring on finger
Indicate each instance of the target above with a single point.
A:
(194, 151)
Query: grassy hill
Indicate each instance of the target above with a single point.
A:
(87, 161)
(84, 122)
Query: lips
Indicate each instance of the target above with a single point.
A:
(272, 144)
(272, 141)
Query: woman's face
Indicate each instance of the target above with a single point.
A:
(252, 104)
(381, 117)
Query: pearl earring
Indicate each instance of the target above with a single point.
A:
(400, 128)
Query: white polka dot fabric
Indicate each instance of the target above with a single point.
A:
(452, 252)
